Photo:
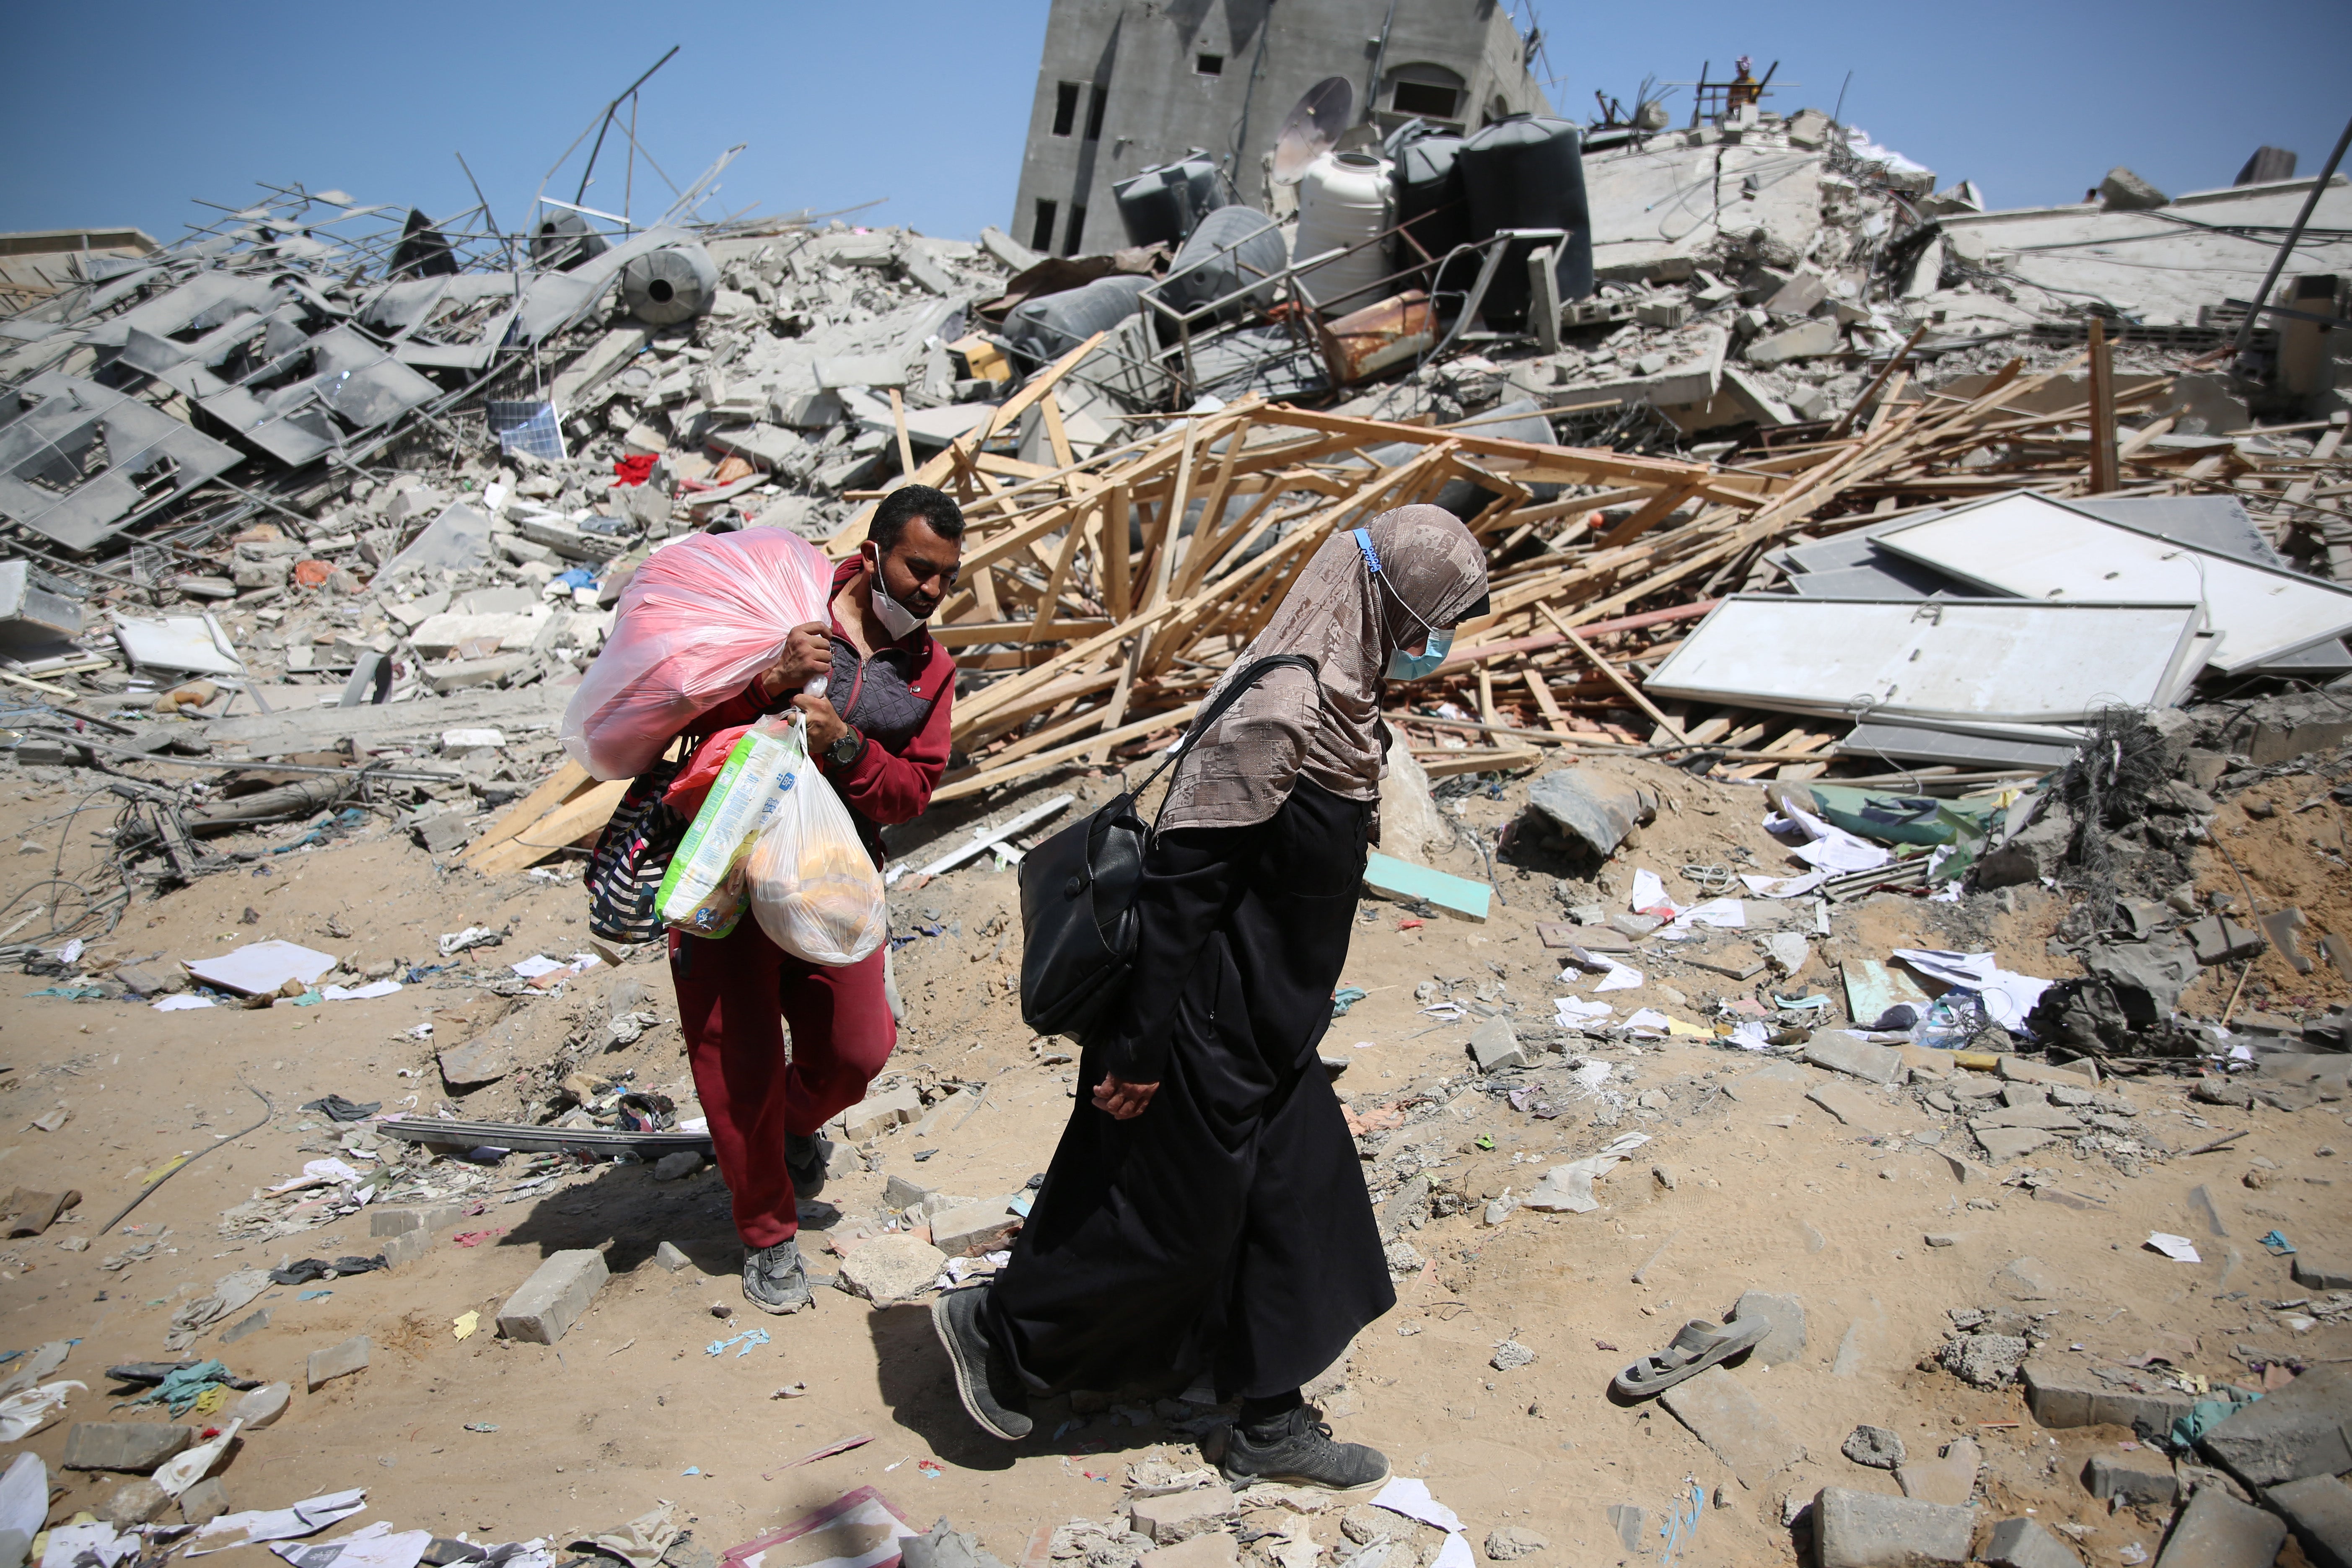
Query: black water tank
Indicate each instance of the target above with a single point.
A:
(1527, 172)
(1164, 205)
(1427, 182)
(1232, 245)
(1042, 330)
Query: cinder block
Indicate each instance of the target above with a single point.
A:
(553, 1298)
(2318, 1509)
(1865, 1530)
(427, 1217)
(1213, 1549)
(405, 1247)
(2217, 1530)
(876, 1115)
(1495, 1046)
(339, 1361)
(974, 1229)
(2060, 1399)
(2299, 1430)
(2026, 1543)
(1182, 1515)
(2143, 1479)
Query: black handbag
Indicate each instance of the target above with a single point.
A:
(1078, 923)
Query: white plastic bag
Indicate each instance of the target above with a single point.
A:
(814, 890)
(702, 893)
(699, 619)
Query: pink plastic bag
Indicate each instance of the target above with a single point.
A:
(699, 619)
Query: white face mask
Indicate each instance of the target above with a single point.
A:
(896, 618)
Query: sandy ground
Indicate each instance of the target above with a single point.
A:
(1766, 1191)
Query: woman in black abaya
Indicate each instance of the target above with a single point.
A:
(1205, 1213)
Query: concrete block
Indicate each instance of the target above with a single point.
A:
(2039, 1115)
(123, 1444)
(1850, 1106)
(2016, 1070)
(337, 1361)
(2302, 1429)
(404, 1249)
(2026, 1543)
(1798, 296)
(2142, 1478)
(878, 1113)
(1841, 1052)
(1950, 1479)
(1864, 1530)
(1211, 1549)
(2318, 1509)
(483, 1059)
(2060, 1397)
(1807, 339)
(670, 1258)
(1495, 1046)
(898, 1193)
(677, 1165)
(1786, 1342)
(892, 1268)
(2217, 941)
(135, 1503)
(1181, 1515)
(555, 1298)
(1718, 1409)
(973, 1230)
(422, 1217)
(2122, 191)
(2322, 1273)
(2005, 1144)
(2217, 1530)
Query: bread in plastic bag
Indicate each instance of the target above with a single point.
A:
(814, 890)
(704, 893)
(697, 621)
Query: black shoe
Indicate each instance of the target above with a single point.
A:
(991, 1396)
(807, 1155)
(1297, 1449)
(775, 1281)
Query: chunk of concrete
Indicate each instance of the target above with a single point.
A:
(482, 1061)
(1985, 1361)
(420, 1216)
(1841, 1052)
(555, 1298)
(1786, 1341)
(1718, 1409)
(2122, 191)
(2039, 1116)
(877, 1114)
(2318, 1509)
(677, 1165)
(892, 1268)
(1494, 1045)
(973, 1229)
(2027, 1544)
(1595, 809)
(2028, 1279)
(2322, 1273)
(135, 1503)
(2217, 1530)
(204, 1501)
(2060, 1397)
(1807, 339)
(1849, 1106)
(2216, 940)
(670, 1258)
(404, 1249)
(336, 1361)
(2302, 1429)
(2141, 1478)
(1180, 1516)
(1950, 1478)
(1865, 1530)
(123, 1444)
(2002, 1144)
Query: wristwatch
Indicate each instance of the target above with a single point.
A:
(843, 752)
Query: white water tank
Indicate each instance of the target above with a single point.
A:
(1343, 200)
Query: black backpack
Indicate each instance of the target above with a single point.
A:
(1078, 921)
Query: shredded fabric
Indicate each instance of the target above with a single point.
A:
(186, 1388)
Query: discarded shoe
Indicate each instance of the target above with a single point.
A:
(805, 1158)
(1700, 1345)
(991, 1396)
(1298, 1450)
(775, 1281)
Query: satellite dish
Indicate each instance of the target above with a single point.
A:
(1312, 128)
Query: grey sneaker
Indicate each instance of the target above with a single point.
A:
(991, 1396)
(1300, 1453)
(807, 1155)
(775, 1281)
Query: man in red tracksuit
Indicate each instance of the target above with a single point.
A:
(880, 734)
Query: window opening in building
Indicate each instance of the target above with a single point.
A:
(1041, 232)
(1075, 233)
(1095, 111)
(1066, 108)
(1209, 65)
(1425, 99)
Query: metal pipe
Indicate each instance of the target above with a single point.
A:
(2286, 248)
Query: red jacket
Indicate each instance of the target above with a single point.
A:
(881, 787)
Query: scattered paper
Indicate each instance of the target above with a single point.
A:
(1564, 1189)
(1614, 976)
(2179, 1249)
(463, 1325)
(1593, 1075)
(367, 993)
(305, 1517)
(181, 1003)
(374, 1545)
(262, 966)
(1411, 1497)
(1751, 1036)
(454, 942)
(192, 1464)
(1725, 913)
(1455, 1553)
(318, 1174)
(1649, 897)
(22, 1415)
(2007, 995)
(537, 965)
(1784, 887)
(1827, 848)
(1575, 1010)
(68, 1543)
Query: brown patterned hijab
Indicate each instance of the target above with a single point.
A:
(1327, 727)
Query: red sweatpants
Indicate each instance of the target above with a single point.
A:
(735, 998)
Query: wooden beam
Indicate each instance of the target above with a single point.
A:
(2103, 411)
(1615, 678)
(567, 781)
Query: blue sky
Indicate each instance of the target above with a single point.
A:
(123, 114)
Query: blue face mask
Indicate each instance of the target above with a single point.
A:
(1404, 666)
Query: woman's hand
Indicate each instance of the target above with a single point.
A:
(808, 652)
(1124, 1101)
